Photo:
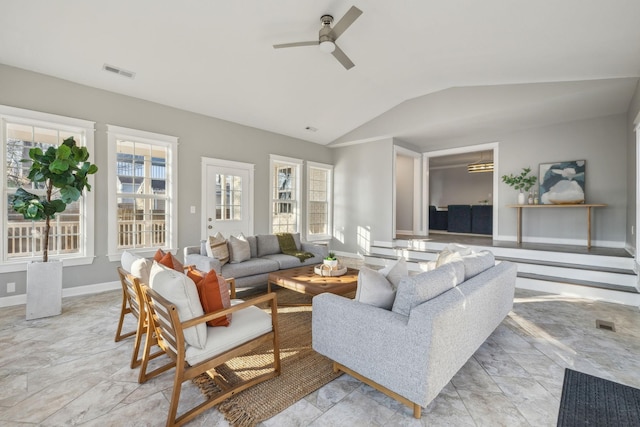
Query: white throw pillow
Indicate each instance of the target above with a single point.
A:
(217, 248)
(126, 259)
(374, 289)
(414, 290)
(136, 265)
(239, 249)
(396, 271)
(181, 291)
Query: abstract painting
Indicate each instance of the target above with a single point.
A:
(562, 183)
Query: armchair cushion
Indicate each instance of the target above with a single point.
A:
(181, 291)
(414, 290)
(248, 323)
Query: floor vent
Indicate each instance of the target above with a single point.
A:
(607, 326)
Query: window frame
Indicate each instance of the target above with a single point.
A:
(86, 128)
(297, 201)
(114, 133)
(329, 168)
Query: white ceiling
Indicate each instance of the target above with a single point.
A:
(216, 58)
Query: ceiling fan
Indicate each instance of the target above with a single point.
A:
(328, 36)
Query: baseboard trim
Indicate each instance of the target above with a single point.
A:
(66, 292)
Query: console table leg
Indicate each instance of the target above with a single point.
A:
(519, 226)
(588, 228)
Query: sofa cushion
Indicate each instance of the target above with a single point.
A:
(239, 249)
(414, 290)
(267, 244)
(253, 245)
(452, 252)
(213, 291)
(250, 267)
(217, 248)
(181, 291)
(203, 247)
(285, 261)
(477, 262)
(374, 289)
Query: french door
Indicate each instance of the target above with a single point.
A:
(227, 197)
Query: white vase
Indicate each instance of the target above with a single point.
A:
(44, 289)
(522, 198)
(331, 262)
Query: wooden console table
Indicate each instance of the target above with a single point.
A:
(584, 205)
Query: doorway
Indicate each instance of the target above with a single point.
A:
(453, 187)
(227, 197)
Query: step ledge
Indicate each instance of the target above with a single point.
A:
(564, 280)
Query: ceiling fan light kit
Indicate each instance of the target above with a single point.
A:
(328, 36)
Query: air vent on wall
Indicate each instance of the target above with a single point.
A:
(118, 70)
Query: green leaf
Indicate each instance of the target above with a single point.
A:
(69, 194)
(64, 152)
(59, 166)
(92, 169)
(35, 152)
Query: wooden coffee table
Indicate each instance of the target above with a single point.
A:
(305, 281)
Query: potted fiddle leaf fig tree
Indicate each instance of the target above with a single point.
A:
(64, 171)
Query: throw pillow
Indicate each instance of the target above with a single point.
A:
(158, 255)
(217, 248)
(374, 289)
(213, 291)
(141, 268)
(181, 291)
(169, 260)
(414, 290)
(126, 259)
(396, 271)
(477, 262)
(239, 249)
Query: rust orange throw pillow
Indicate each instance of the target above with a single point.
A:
(159, 255)
(214, 294)
(170, 261)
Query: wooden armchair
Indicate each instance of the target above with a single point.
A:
(250, 328)
(133, 303)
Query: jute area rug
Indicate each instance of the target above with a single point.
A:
(303, 370)
(592, 401)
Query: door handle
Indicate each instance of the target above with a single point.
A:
(210, 227)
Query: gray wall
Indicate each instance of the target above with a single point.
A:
(362, 195)
(198, 136)
(456, 186)
(634, 109)
(602, 142)
(404, 193)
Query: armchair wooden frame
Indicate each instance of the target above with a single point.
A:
(165, 330)
(133, 303)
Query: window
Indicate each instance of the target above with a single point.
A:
(228, 197)
(285, 194)
(319, 192)
(142, 172)
(71, 235)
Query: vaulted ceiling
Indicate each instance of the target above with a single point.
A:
(424, 69)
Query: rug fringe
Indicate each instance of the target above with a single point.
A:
(236, 415)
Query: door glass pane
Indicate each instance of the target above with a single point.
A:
(228, 197)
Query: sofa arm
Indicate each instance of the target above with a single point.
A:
(203, 263)
(318, 250)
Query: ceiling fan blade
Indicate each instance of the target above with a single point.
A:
(312, 43)
(343, 58)
(346, 21)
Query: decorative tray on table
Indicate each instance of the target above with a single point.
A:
(325, 270)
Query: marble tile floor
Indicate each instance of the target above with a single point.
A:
(67, 370)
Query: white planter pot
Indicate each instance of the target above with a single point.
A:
(44, 289)
(331, 263)
(522, 198)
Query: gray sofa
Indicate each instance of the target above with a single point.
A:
(266, 257)
(411, 358)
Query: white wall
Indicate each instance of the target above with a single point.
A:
(363, 195)
(634, 110)
(198, 136)
(404, 193)
(456, 186)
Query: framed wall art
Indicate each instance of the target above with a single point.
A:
(562, 183)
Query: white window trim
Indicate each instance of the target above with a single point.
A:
(36, 118)
(317, 237)
(273, 159)
(113, 133)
